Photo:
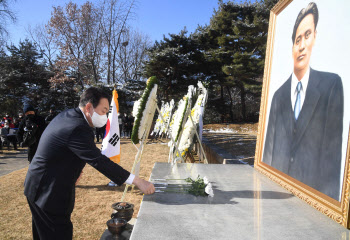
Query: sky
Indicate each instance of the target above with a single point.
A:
(152, 17)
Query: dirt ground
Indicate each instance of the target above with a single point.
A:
(93, 198)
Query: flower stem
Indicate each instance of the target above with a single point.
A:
(173, 191)
(169, 179)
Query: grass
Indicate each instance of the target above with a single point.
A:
(93, 198)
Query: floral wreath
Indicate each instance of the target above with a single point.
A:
(166, 112)
(144, 109)
(176, 122)
(159, 121)
(186, 141)
(167, 117)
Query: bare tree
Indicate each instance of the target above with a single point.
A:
(132, 54)
(6, 16)
(94, 42)
(92, 23)
(44, 42)
(115, 24)
(73, 30)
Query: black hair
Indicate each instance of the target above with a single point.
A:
(310, 9)
(92, 95)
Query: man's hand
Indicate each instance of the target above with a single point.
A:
(145, 186)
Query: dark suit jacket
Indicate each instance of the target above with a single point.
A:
(308, 149)
(64, 148)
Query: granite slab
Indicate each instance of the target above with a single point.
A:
(246, 205)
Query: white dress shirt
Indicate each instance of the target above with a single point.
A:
(131, 176)
(304, 82)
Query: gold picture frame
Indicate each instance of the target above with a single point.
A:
(337, 210)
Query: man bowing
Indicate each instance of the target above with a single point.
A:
(65, 147)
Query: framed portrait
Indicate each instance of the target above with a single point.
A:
(303, 138)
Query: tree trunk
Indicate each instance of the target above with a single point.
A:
(231, 103)
(113, 63)
(243, 93)
(95, 73)
(223, 104)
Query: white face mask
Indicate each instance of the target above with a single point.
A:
(98, 120)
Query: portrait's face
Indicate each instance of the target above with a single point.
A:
(303, 44)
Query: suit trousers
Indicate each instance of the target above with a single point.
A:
(47, 226)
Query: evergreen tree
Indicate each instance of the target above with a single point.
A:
(234, 43)
(23, 78)
(174, 61)
(227, 55)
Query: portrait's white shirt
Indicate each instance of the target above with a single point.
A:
(131, 176)
(294, 92)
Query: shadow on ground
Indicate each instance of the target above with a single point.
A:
(220, 197)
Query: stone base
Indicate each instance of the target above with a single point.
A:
(246, 205)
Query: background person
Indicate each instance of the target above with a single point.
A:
(16, 122)
(30, 130)
(9, 123)
(130, 124)
(6, 137)
(51, 116)
(125, 128)
(100, 133)
(20, 117)
(120, 122)
(66, 146)
(7, 117)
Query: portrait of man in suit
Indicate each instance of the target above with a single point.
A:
(304, 131)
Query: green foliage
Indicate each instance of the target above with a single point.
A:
(23, 78)
(235, 42)
(197, 187)
(175, 61)
(227, 55)
(135, 130)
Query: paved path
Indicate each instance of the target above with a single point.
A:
(11, 160)
(232, 145)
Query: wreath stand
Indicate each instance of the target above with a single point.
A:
(199, 141)
(202, 152)
(172, 154)
(164, 135)
(136, 166)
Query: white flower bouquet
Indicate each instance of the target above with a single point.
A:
(178, 117)
(165, 112)
(159, 121)
(197, 187)
(167, 116)
(176, 122)
(186, 141)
